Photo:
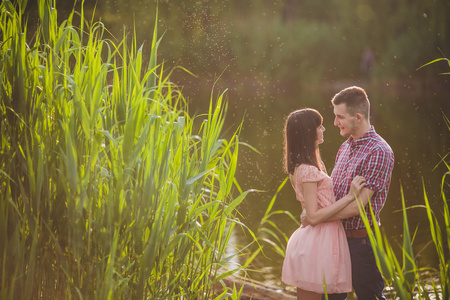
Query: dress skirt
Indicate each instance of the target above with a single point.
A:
(316, 256)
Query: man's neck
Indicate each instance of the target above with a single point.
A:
(361, 131)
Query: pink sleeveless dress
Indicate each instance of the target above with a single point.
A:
(317, 255)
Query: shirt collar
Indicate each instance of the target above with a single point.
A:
(362, 140)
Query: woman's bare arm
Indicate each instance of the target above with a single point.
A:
(316, 215)
(352, 209)
(312, 215)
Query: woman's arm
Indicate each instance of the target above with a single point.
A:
(314, 214)
(352, 209)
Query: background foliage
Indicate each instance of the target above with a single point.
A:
(301, 41)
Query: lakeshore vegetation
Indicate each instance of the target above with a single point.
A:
(108, 188)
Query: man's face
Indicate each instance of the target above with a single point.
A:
(343, 120)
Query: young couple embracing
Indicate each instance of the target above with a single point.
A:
(332, 246)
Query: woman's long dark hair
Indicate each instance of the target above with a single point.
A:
(300, 135)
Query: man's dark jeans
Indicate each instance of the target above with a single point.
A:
(366, 278)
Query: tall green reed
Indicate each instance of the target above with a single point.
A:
(107, 192)
(269, 233)
(406, 276)
(269, 239)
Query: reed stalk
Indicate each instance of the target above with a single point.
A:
(107, 189)
(406, 276)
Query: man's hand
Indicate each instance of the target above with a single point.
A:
(304, 218)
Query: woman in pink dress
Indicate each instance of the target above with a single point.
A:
(317, 255)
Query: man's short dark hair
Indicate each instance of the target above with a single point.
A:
(355, 99)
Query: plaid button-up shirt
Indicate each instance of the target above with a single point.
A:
(371, 157)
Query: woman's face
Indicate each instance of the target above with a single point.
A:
(320, 131)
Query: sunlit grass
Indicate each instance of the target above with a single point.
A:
(408, 278)
(107, 189)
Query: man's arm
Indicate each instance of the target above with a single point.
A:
(377, 170)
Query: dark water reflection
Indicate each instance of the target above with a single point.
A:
(411, 120)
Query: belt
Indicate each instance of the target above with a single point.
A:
(356, 234)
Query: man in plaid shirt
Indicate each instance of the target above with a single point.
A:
(367, 154)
